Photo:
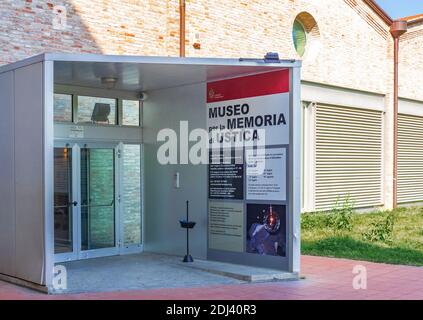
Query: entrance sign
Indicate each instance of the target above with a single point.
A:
(251, 103)
(249, 197)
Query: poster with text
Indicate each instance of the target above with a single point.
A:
(266, 229)
(250, 109)
(266, 174)
(226, 226)
(226, 175)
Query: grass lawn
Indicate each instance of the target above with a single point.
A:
(405, 246)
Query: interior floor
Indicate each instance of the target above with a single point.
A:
(136, 272)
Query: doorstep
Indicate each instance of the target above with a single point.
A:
(242, 272)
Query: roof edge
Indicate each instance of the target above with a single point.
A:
(23, 63)
(379, 11)
(411, 20)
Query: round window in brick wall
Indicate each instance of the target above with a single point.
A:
(306, 34)
(299, 36)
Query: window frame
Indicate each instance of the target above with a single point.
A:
(305, 37)
(76, 107)
(120, 118)
(72, 113)
(118, 111)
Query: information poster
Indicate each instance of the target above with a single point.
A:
(266, 174)
(248, 189)
(226, 226)
(226, 175)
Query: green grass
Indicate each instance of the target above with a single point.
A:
(405, 246)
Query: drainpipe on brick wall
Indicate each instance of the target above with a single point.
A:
(182, 28)
(398, 28)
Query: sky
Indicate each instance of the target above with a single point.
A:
(401, 8)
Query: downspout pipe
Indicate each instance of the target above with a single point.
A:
(182, 35)
(398, 28)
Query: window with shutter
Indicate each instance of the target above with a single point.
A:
(410, 158)
(348, 156)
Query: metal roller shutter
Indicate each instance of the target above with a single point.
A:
(410, 158)
(348, 156)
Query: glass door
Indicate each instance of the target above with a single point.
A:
(97, 200)
(63, 201)
(98, 219)
(98, 211)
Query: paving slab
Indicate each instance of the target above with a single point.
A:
(241, 272)
(136, 272)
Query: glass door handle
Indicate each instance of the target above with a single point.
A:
(75, 203)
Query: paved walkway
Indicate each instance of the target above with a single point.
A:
(325, 278)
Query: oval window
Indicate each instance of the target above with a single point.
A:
(299, 37)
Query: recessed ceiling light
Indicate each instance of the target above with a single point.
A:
(109, 82)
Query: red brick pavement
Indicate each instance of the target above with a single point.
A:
(325, 278)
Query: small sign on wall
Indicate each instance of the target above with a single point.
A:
(76, 132)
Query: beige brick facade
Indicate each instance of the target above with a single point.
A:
(351, 44)
(132, 27)
(352, 50)
(411, 63)
(353, 47)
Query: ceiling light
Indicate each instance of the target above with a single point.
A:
(109, 82)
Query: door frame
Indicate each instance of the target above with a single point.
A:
(132, 248)
(67, 256)
(119, 248)
(96, 253)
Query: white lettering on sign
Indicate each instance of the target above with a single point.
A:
(76, 132)
(261, 118)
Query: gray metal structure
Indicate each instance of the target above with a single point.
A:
(176, 90)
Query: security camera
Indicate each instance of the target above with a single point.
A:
(143, 96)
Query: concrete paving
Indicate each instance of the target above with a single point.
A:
(140, 272)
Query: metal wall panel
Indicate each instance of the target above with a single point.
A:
(7, 179)
(29, 173)
(410, 158)
(164, 204)
(348, 156)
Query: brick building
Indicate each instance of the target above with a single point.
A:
(347, 91)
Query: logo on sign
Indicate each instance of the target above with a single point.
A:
(213, 95)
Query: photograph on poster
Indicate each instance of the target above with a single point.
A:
(266, 229)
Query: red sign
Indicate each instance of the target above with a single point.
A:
(262, 84)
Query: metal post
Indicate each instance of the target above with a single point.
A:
(395, 173)
(398, 28)
(187, 229)
(182, 35)
(188, 225)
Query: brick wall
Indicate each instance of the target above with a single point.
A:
(352, 49)
(411, 63)
(355, 45)
(133, 27)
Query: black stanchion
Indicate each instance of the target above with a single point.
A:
(186, 224)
